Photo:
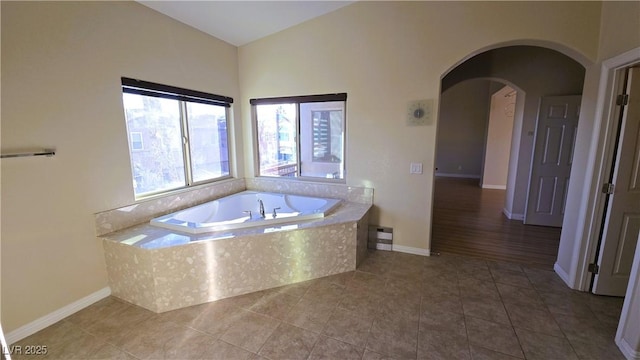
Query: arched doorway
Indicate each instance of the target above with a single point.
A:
(496, 231)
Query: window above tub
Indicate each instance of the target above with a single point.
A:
(301, 136)
(177, 137)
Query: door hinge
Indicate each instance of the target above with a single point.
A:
(608, 188)
(622, 99)
(594, 268)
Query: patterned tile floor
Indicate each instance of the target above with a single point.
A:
(395, 306)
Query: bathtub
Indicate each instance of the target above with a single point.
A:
(184, 268)
(242, 210)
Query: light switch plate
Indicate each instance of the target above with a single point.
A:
(416, 168)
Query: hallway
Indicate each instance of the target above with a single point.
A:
(468, 220)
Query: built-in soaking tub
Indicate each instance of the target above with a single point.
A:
(208, 254)
(244, 210)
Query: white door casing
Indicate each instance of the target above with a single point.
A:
(622, 222)
(552, 157)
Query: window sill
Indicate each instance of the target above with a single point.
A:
(304, 179)
(219, 181)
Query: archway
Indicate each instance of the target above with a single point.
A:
(536, 72)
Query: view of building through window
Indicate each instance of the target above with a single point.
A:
(277, 139)
(208, 141)
(322, 133)
(136, 141)
(299, 138)
(174, 143)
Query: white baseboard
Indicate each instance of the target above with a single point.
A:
(466, 176)
(411, 250)
(52, 318)
(511, 216)
(629, 352)
(496, 187)
(563, 275)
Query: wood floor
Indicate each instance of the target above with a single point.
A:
(468, 220)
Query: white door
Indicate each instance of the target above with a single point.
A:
(622, 222)
(552, 158)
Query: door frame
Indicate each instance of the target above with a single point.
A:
(611, 168)
(604, 140)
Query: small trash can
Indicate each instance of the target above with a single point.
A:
(380, 238)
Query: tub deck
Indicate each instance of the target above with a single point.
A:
(162, 270)
(242, 210)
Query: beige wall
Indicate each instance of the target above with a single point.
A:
(384, 54)
(61, 69)
(464, 109)
(619, 25)
(620, 28)
(499, 132)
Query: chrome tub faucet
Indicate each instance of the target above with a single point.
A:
(261, 208)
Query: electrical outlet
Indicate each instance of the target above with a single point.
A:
(415, 168)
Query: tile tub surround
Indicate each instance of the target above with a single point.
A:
(143, 211)
(162, 270)
(126, 216)
(320, 189)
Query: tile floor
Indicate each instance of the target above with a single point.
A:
(395, 306)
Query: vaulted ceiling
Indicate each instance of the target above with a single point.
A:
(241, 22)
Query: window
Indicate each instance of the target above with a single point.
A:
(301, 136)
(327, 135)
(178, 137)
(136, 141)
